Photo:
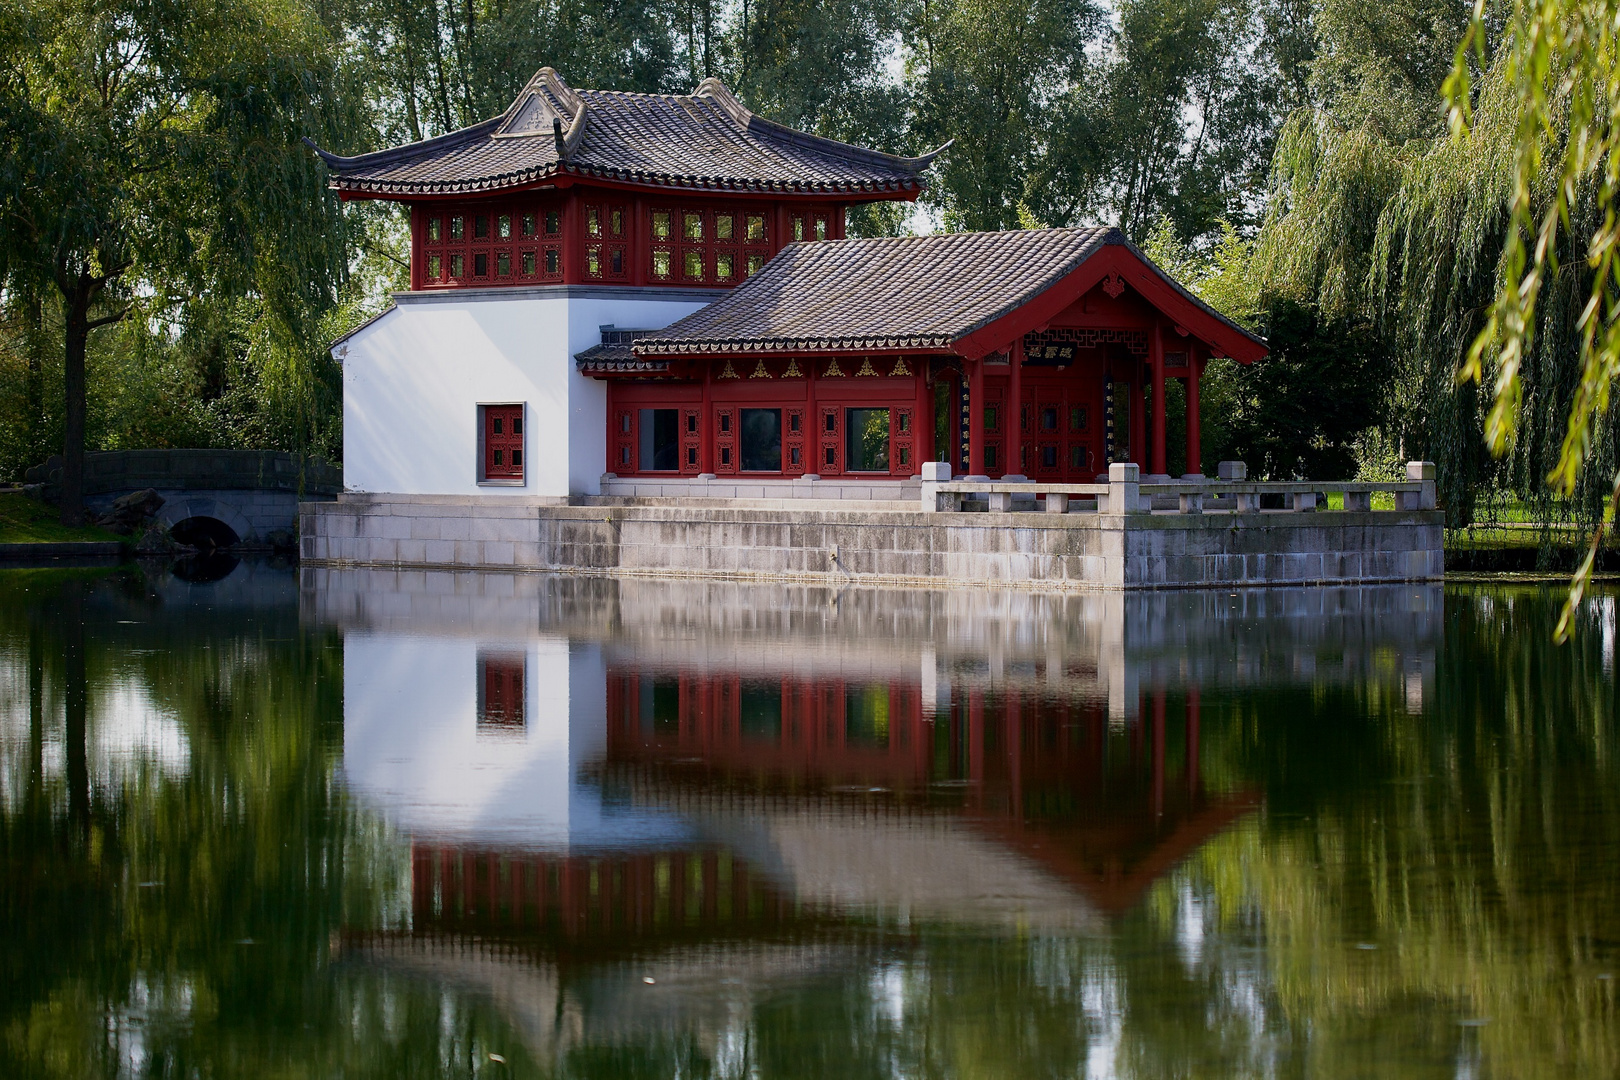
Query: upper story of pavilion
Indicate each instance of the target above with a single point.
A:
(582, 187)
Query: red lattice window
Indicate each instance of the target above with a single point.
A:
(501, 698)
(712, 246)
(501, 439)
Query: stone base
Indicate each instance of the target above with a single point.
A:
(874, 544)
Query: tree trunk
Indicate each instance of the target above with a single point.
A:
(77, 337)
(34, 378)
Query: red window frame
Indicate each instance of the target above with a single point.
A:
(501, 435)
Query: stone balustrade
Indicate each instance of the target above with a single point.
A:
(1125, 493)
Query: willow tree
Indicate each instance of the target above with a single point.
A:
(149, 155)
(1560, 132)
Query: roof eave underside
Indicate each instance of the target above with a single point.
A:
(492, 185)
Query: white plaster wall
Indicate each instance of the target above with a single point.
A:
(412, 381)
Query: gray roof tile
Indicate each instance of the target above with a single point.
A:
(702, 140)
(913, 292)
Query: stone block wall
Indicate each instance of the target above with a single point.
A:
(788, 541)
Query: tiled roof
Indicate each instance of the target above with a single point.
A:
(912, 292)
(613, 355)
(702, 140)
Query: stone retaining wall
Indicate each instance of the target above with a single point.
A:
(877, 542)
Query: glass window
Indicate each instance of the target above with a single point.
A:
(991, 418)
(480, 227)
(661, 264)
(1077, 457)
(725, 264)
(692, 226)
(433, 230)
(593, 260)
(456, 265)
(762, 440)
(481, 265)
(1048, 457)
(433, 268)
(553, 222)
(528, 264)
(660, 440)
(1049, 419)
(593, 221)
(553, 261)
(660, 223)
(990, 457)
(756, 228)
(756, 263)
(691, 423)
(616, 222)
(722, 226)
(821, 228)
(694, 264)
(866, 434)
(798, 228)
(616, 260)
(1079, 418)
(503, 264)
(503, 226)
(528, 224)
(456, 227)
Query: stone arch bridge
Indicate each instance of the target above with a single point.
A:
(223, 496)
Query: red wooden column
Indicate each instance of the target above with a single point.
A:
(1195, 448)
(1138, 407)
(706, 420)
(1015, 409)
(922, 418)
(976, 417)
(812, 420)
(1156, 358)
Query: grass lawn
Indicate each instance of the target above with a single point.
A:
(27, 521)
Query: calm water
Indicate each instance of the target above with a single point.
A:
(365, 824)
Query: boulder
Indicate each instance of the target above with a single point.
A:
(131, 512)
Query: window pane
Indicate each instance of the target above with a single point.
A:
(660, 222)
(503, 226)
(553, 260)
(528, 224)
(1049, 419)
(553, 222)
(722, 226)
(1079, 418)
(660, 440)
(433, 268)
(724, 265)
(433, 230)
(762, 440)
(528, 264)
(756, 263)
(692, 228)
(503, 264)
(456, 265)
(798, 228)
(480, 227)
(616, 222)
(821, 228)
(694, 265)
(617, 261)
(480, 265)
(593, 260)
(661, 264)
(866, 434)
(456, 227)
(756, 227)
(593, 221)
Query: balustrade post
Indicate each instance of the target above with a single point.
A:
(1124, 488)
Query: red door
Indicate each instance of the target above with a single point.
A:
(503, 442)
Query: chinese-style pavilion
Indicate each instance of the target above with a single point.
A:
(761, 342)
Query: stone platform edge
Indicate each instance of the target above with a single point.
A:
(879, 543)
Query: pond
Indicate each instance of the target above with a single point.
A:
(262, 821)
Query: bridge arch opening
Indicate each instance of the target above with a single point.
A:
(204, 533)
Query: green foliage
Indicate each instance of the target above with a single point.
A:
(28, 521)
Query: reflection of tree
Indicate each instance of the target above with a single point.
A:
(1472, 844)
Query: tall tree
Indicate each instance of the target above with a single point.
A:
(987, 74)
(152, 149)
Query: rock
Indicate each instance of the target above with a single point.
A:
(131, 512)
